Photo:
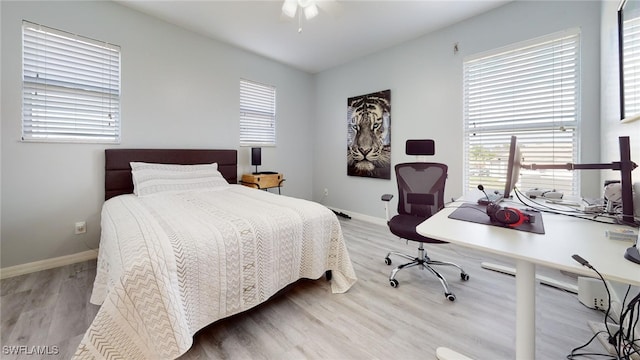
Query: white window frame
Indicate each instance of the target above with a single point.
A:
(505, 95)
(257, 114)
(629, 62)
(70, 87)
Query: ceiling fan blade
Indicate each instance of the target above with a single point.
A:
(310, 11)
(290, 7)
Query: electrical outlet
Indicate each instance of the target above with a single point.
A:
(80, 227)
(592, 293)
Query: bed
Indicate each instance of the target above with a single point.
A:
(174, 258)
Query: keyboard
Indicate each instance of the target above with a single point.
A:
(593, 201)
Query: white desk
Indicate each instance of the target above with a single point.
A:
(564, 236)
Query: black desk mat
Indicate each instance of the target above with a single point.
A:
(476, 213)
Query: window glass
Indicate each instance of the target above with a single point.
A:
(530, 90)
(257, 114)
(70, 87)
(629, 23)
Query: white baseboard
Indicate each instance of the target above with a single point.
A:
(46, 264)
(543, 279)
(363, 217)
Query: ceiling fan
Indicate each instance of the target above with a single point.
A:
(308, 7)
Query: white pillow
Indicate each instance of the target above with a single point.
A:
(150, 178)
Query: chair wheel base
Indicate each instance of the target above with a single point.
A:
(425, 263)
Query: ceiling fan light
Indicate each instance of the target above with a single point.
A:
(310, 11)
(289, 8)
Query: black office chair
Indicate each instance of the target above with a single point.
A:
(420, 195)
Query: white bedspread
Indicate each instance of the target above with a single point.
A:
(171, 264)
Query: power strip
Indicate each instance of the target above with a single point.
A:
(616, 310)
(604, 337)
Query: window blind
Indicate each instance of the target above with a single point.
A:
(530, 90)
(257, 114)
(70, 87)
(631, 66)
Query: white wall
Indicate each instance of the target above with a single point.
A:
(178, 90)
(425, 78)
(611, 126)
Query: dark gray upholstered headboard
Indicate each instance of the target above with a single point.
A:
(117, 177)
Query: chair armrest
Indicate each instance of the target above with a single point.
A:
(386, 198)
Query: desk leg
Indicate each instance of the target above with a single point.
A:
(525, 310)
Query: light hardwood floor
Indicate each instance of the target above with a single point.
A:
(306, 321)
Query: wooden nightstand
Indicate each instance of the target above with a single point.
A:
(263, 181)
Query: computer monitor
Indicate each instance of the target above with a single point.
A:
(513, 167)
(625, 166)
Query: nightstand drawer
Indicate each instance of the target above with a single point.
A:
(262, 181)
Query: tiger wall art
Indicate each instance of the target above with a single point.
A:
(369, 135)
